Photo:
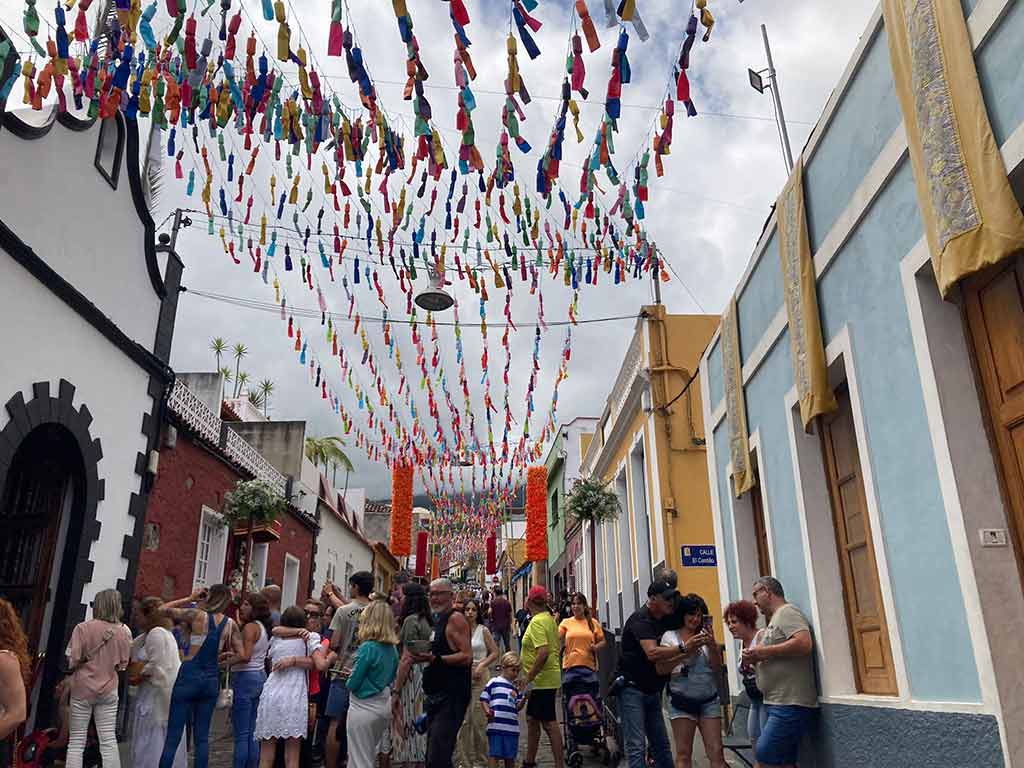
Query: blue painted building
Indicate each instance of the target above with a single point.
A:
(894, 524)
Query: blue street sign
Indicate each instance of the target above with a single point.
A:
(699, 556)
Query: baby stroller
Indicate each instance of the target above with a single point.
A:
(583, 716)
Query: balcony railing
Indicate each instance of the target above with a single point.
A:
(208, 425)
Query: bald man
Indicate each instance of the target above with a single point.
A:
(446, 679)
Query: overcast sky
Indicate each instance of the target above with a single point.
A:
(724, 173)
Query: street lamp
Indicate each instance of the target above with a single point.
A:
(434, 298)
(758, 83)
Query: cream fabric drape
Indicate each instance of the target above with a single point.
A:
(801, 291)
(970, 215)
(735, 403)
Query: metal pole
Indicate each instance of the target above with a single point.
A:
(781, 117)
(175, 226)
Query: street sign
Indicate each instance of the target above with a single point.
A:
(699, 556)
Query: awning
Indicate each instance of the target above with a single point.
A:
(524, 570)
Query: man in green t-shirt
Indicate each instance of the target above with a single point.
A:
(785, 675)
(542, 667)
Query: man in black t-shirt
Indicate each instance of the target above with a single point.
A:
(640, 656)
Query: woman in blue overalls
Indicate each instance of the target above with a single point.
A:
(195, 691)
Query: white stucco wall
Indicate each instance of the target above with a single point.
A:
(336, 543)
(45, 340)
(60, 205)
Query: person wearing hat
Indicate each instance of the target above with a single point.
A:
(543, 677)
(640, 683)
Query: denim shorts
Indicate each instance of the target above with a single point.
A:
(337, 699)
(784, 727)
(711, 709)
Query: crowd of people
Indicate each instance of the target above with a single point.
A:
(421, 678)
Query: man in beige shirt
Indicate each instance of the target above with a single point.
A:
(785, 675)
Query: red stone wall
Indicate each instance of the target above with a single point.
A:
(189, 477)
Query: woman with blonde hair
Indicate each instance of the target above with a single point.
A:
(14, 677)
(154, 669)
(195, 692)
(99, 649)
(369, 684)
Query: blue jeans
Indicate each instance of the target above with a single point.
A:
(247, 687)
(644, 723)
(193, 700)
(784, 727)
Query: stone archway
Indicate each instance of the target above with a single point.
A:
(49, 493)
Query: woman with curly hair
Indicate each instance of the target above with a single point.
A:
(14, 676)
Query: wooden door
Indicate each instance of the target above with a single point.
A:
(865, 612)
(764, 561)
(994, 311)
(30, 517)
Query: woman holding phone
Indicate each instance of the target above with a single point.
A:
(693, 688)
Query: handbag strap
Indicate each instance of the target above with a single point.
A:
(87, 657)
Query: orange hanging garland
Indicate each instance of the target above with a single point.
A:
(401, 510)
(537, 514)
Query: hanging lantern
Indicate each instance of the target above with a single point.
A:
(401, 510)
(537, 514)
(421, 553)
(492, 560)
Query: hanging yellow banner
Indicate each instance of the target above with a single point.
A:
(971, 217)
(801, 291)
(735, 403)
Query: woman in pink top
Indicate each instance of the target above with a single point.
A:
(99, 649)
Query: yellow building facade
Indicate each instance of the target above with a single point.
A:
(649, 448)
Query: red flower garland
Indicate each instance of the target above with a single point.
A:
(401, 510)
(537, 514)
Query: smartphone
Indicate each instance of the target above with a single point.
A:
(707, 625)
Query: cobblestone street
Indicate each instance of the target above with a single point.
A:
(221, 747)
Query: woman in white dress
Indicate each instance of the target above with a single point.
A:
(283, 710)
(154, 668)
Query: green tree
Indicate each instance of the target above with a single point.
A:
(266, 389)
(219, 347)
(327, 451)
(239, 351)
(226, 373)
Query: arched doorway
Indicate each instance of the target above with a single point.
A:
(42, 514)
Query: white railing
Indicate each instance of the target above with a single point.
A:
(191, 410)
(630, 368)
(248, 457)
(194, 413)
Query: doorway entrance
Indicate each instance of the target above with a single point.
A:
(41, 515)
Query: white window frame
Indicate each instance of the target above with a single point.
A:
(209, 564)
(260, 556)
(290, 592)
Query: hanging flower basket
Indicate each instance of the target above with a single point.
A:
(255, 503)
(262, 533)
(590, 500)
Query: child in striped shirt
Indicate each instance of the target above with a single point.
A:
(501, 702)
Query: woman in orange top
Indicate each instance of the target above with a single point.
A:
(582, 637)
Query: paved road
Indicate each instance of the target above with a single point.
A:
(221, 746)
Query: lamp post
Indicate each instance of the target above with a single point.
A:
(758, 84)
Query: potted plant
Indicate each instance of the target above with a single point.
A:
(591, 501)
(252, 509)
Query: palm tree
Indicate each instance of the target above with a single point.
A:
(266, 389)
(240, 381)
(327, 451)
(255, 397)
(226, 373)
(219, 347)
(240, 351)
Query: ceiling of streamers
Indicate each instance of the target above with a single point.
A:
(342, 204)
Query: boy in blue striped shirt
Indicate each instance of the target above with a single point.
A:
(501, 701)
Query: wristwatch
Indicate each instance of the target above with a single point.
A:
(682, 647)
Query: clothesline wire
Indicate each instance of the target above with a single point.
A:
(313, 312)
